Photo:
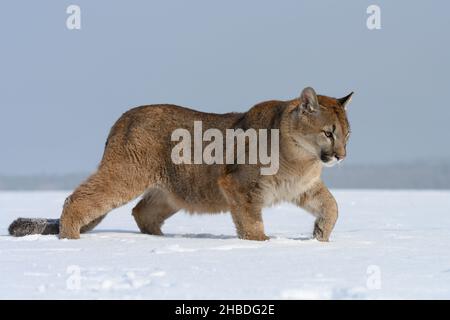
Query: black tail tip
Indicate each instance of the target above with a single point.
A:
(26, 226)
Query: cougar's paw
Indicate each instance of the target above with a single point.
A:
(152, 231)
(320, 235)
(255, 237)
(69, 234)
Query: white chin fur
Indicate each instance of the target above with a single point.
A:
(330, 163)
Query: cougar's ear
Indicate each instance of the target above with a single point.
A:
(344, 101)
(308, 100)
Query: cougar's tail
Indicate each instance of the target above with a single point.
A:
(25, 226)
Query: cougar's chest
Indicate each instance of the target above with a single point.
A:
(287, 187)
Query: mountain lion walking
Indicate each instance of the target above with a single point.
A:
(313, 131)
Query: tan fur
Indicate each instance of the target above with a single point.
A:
(137, 160)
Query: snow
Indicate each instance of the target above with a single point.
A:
(386, 244)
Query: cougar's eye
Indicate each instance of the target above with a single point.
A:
(328, 134)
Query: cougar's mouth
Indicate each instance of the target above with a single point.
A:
(328, 160)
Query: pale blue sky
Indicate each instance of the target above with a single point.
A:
(61, 90)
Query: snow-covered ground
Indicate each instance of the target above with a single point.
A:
(387, 244)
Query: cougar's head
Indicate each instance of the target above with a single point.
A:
(319, 125)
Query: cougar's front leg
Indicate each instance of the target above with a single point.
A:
(245, 210)
(249, 223)
(320, 202)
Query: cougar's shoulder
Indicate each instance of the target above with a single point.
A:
(264, 115)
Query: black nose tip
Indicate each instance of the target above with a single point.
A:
(338, 157)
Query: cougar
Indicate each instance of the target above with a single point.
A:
(137, 160)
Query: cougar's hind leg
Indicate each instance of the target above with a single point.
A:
(151, 212)
(91, 225)
(92, 200)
